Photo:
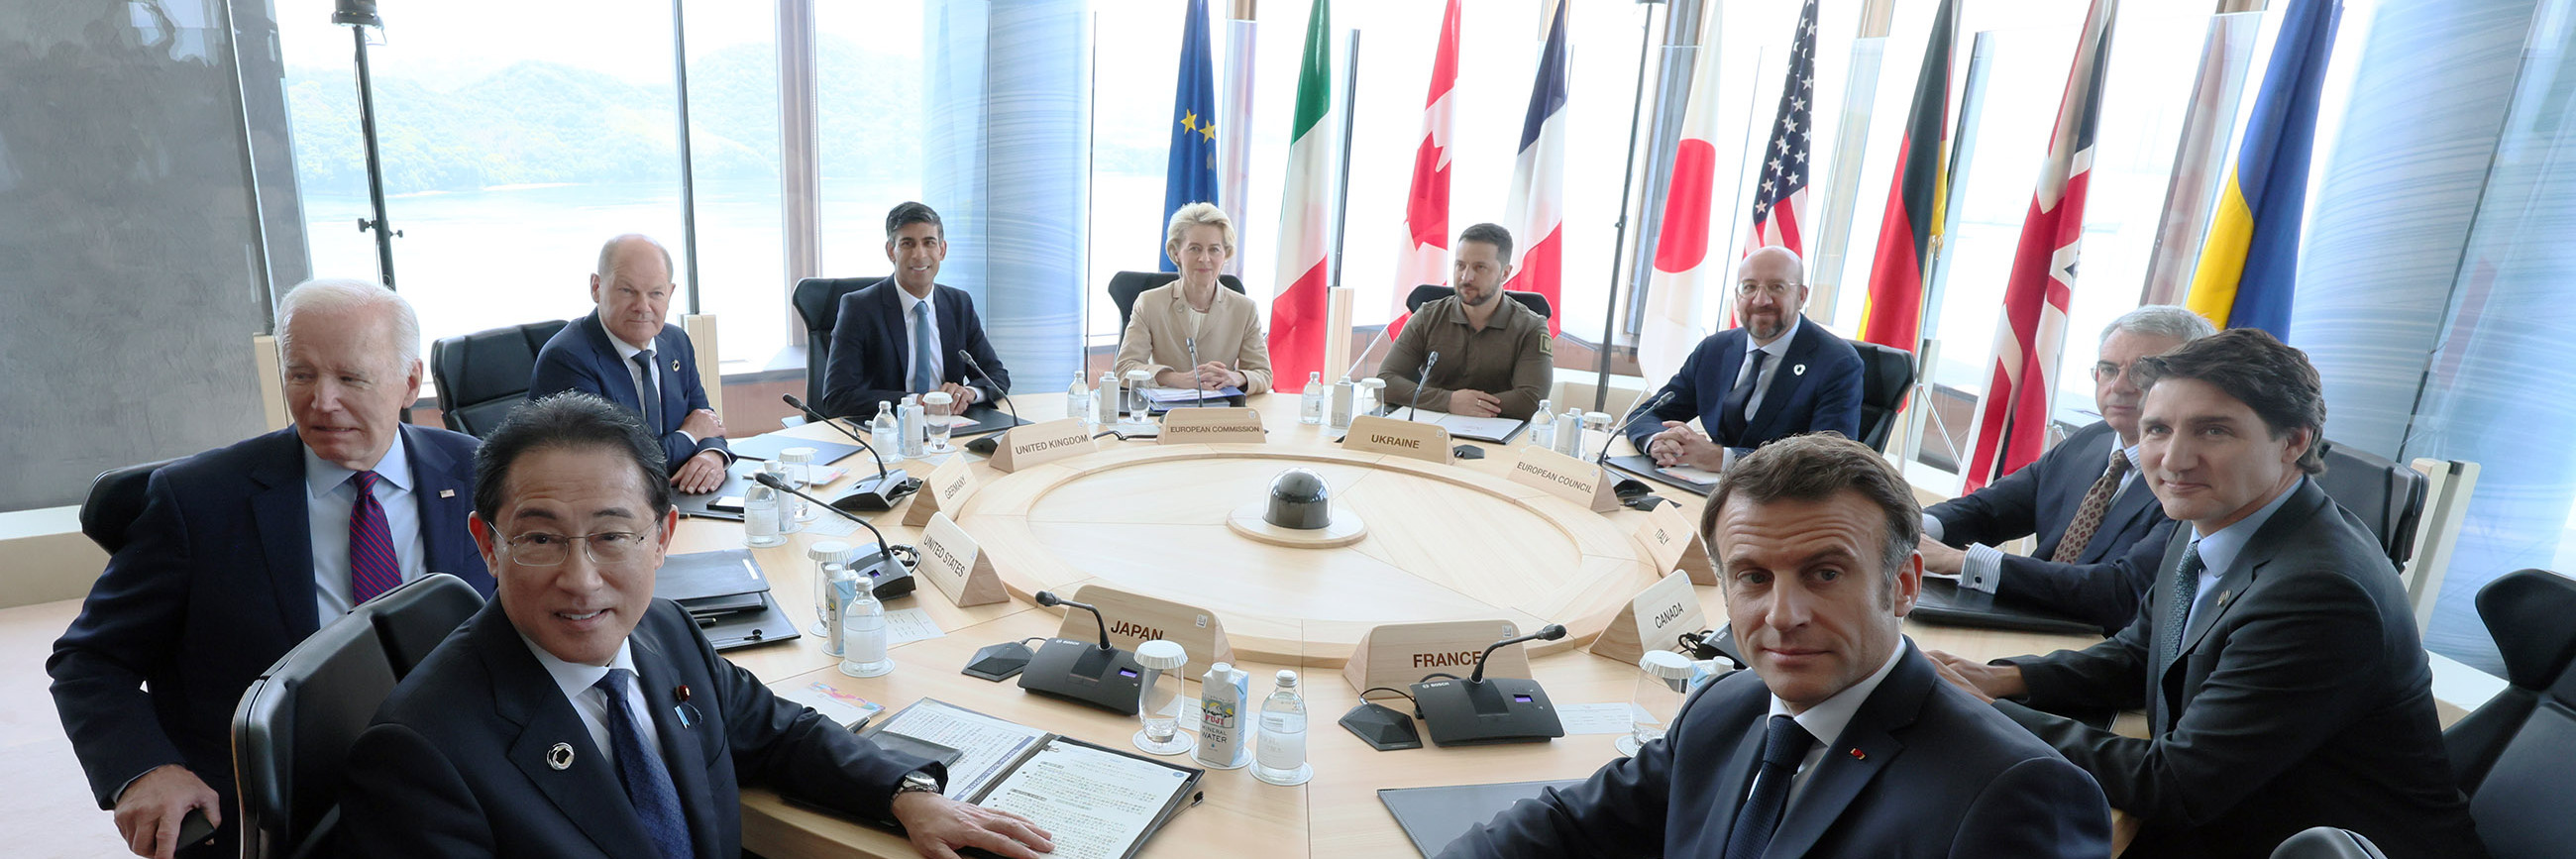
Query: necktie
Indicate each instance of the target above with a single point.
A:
(648, 395)
(1730, 424)
(648, 784)
(1784, 745)
(2088, 514)
(372, 567)
(2186, 587)
(925, 366)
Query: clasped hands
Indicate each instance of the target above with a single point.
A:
(1678, 444)
(1209, 376)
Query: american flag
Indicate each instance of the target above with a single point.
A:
(1783, 192)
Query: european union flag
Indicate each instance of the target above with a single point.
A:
(1191, 177)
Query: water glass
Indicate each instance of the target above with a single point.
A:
(800, 474)
(1663, 681)
(936, 431)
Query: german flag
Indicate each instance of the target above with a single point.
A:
(1906, 234)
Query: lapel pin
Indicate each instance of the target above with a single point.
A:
(2224, 596)
(560, 757)
(1798, 370)
(680, 693)
(1858, 755)
(675, 365)
(447, 493)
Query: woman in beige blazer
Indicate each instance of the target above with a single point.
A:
(1231, 348)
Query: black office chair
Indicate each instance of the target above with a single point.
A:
(818, 301)
(1430, 292)
(289, 748)
(1887, 378)
(2511, 754)
(483, 375)
(1126, 285)
(115, 501)
(2327, 842)
(2388, 497)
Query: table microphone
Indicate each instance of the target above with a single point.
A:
(1630, 490)
(1102, 676)
(875, 493)
(1416, 406)
(892, 580)
(1500, 710)
(990, 443)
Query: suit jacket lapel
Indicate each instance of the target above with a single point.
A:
(1730, 361)
(442, 517)
(1853, 759)
(684, 752)
(613, 375)
(1736, 780)
(2294, 514)
(587, 792)
(286, 529)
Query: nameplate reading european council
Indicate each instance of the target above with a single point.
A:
(1426, 442)
(1042, 442)
(947, 488)
(1565, 477)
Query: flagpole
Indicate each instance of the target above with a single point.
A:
(1342, 186)
(1619, 239)
(1234, 183)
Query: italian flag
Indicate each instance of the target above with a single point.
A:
(1297, 311)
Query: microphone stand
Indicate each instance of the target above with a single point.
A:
(1416, 406)
(1102, 676)
(1196, 387)
(1629, 489)
(893, 580)
(990, 443)
(876, 493)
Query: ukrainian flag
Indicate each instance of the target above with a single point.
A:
(2249, 266)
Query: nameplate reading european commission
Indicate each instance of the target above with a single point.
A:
(1426, 442)
(1565, 477)
(1675, 545)
(1042, 442)
(946, 489)
(1396, 655)
(1652, 621)
(1213, 426)
(956, 565)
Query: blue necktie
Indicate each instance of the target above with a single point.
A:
(647, 394)
(925, 366)
(2186, 590)
(1784, 745)
(1734, 417)
(648, 783)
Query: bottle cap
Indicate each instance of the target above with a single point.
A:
(1161, 655)
(1287, 677)
(828, 550)
(1666, 664)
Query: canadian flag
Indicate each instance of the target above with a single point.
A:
(1536, 208)
(1676, 296)
(1425, 258)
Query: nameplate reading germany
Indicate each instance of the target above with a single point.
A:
(947, 488)
(1213, 426)
(1565, 477)
(1043, 442)
(1426, 442)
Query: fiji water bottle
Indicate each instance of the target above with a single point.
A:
(1281, 755)
(1223, 695)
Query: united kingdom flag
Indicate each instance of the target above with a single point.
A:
(1783, 192)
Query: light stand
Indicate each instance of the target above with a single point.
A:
(359, 15)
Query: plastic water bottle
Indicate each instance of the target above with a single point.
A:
(1280, 756)
(863, 630)
(760, 517)
(1543, 425)
(1310, 407)
(883, 433)
(1077, 400)
(1105, 398)
(913, 423)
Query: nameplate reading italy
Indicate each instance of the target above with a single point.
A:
(956, 565)
(1042, 442)
(1659, 614)
(1395, 655)
(1675, 545)
(1213, 426)
(1136, 618)
(1566, 477)
(946, 489)
(1426, 442)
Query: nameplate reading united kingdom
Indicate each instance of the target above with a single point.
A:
(1566, 477)
(1394, 655)
(1045, 442)
(946, 489)
(1426, 442)
(1651, 621)
(1213, 426)
(953, 562)
(1675, 545)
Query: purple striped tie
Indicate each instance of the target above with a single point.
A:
(372, 568)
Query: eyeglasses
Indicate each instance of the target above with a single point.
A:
(606, 548)
(1774, 289)
(2107, 371)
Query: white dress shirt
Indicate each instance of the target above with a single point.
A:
(626, 353)
(592, 704)
(2220, 549)
(1983, 569)
(1826, 720)
(329, 496)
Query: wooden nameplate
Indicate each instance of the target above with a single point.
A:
(1135, 619)
(944, 490)
(1675, 545)
(1566, 477)
(1395, 655)
(1042, 442)
(1426, 442)
(1212, 426)
(953, 562)
(1652, 621)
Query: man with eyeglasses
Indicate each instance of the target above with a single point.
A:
(2100, 531)
(576, 715)
(624, 353)
(1776, 375)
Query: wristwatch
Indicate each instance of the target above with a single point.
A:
(916, 781)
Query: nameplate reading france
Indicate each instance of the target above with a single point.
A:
(1394, 655)
(1042, 442)
(1565, 477)
(1213, 426)
(953, 562)
(946, 489)
(1426, 442)
(1675, 545)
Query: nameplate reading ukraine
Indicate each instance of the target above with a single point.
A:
(955, 564)
(946, 489)
(1565, 477)
(1042, 442)
(1426, 442)
(1213, 426)
(1675, 545)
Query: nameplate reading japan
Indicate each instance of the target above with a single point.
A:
(1675, 545)
(1426, 442)
(953, 562)
(1042, 442)
(1565, 477)
(1135, 618)
(946, 489)
(1213, 426)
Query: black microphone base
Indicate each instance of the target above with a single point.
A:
(891, 578)
(877, 493)
(1495, 710)
(1081, 672)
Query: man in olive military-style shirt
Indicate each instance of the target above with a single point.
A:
(1495, 355)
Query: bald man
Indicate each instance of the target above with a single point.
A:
(1775, 375)
(624, 353)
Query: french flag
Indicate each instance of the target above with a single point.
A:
(1536, 208)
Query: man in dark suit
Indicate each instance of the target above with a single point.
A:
(2276, 657)
(2087, 508)
(902, 335)
(243, 551)
(1776, 375)
(1841, 740)
(576, 715)
(624, 353)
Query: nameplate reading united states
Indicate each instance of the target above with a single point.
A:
(1652, 621)
(1134, 619)
(1043, 442)
(1566, 477)
(1395, 655)
(1213, 426)
(1426, 442)
(1675, 545)
(946, 489)
(956, 565)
